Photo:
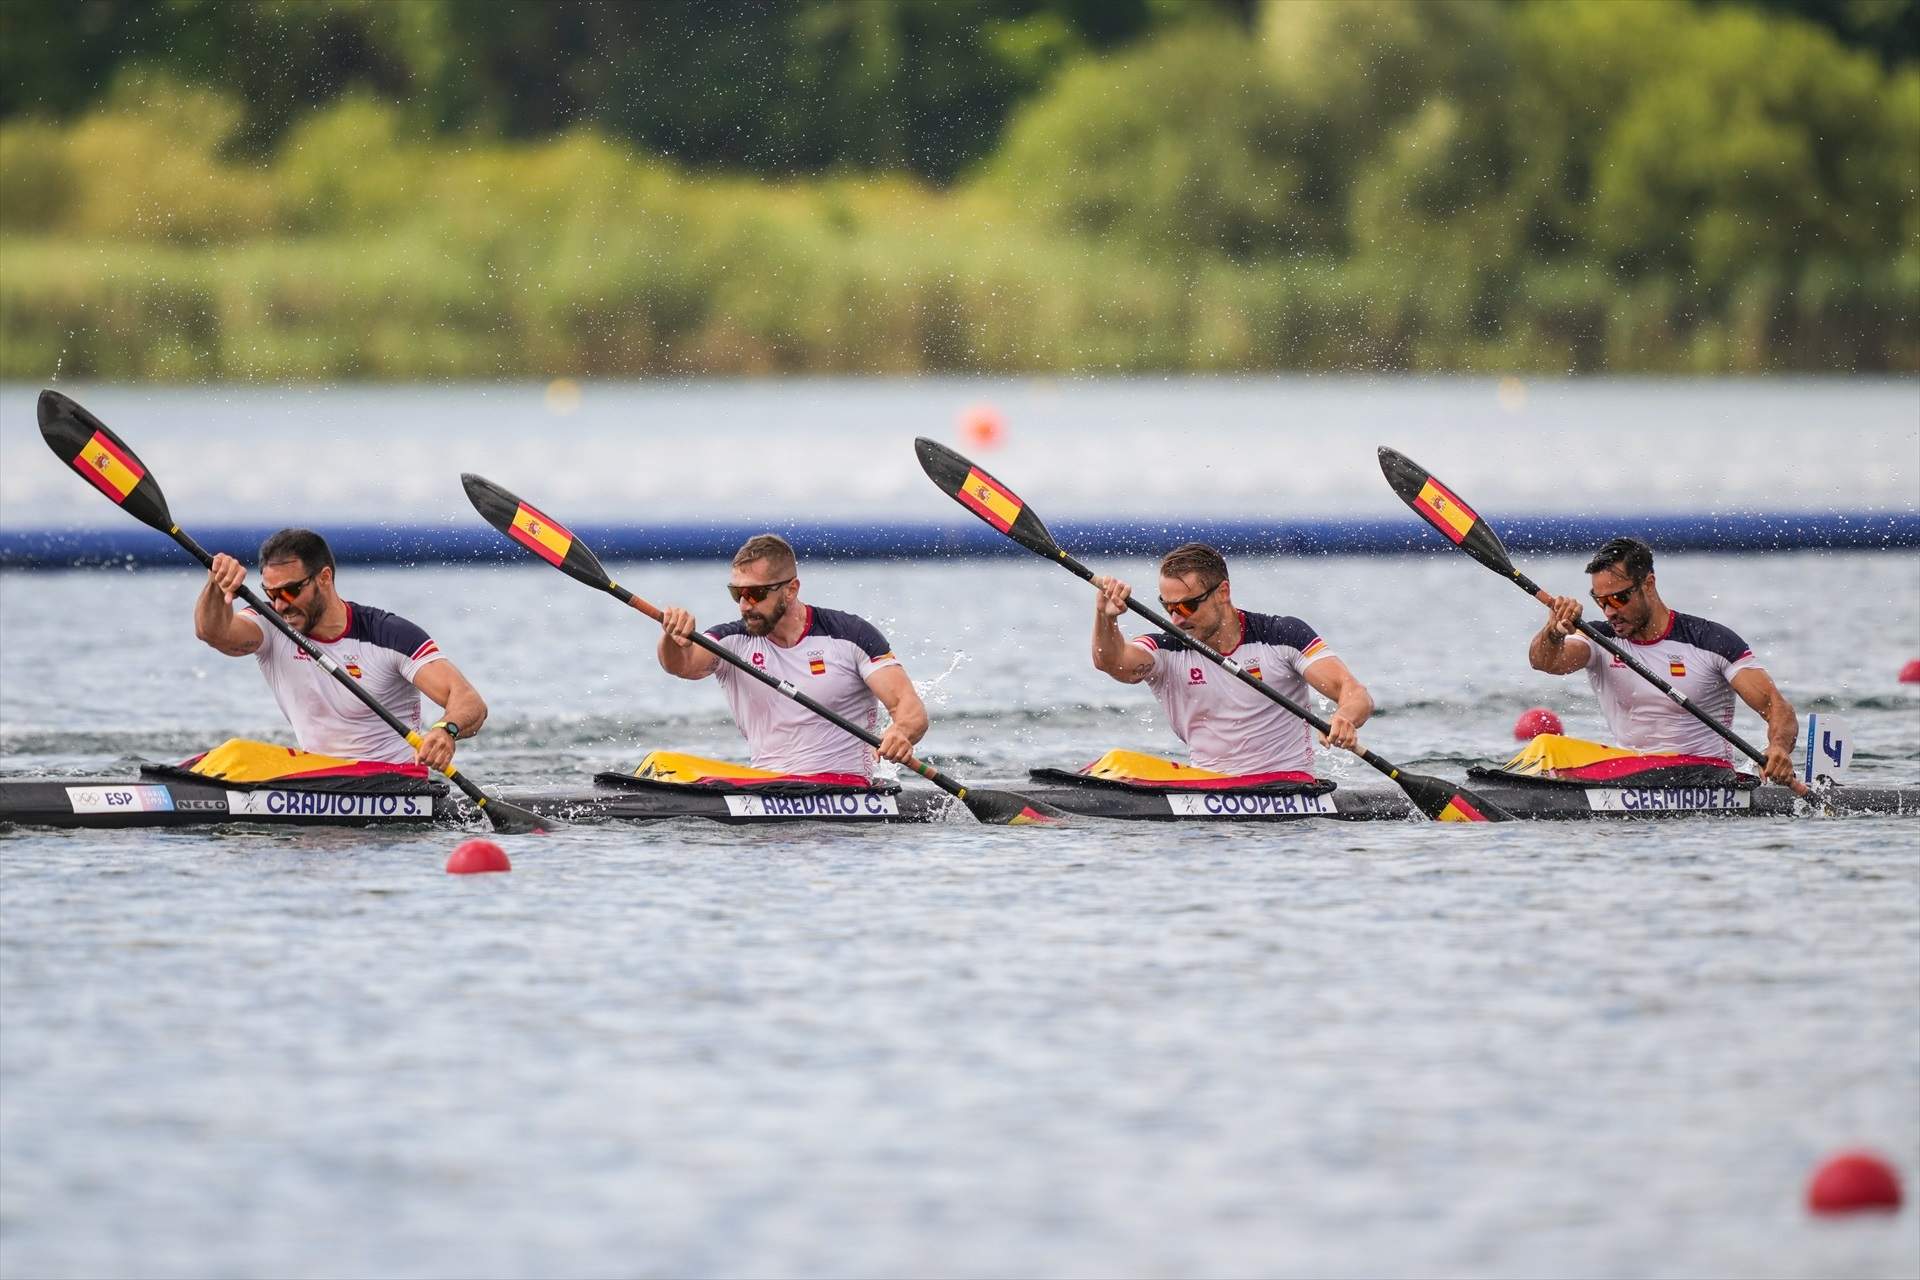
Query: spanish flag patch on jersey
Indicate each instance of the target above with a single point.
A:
(817, 666)
(1676, 668)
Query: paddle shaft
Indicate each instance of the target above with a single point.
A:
(1233, 667)
(1640, 669)
(332, 668)
(787, 690)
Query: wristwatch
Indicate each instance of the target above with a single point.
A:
(451, 726)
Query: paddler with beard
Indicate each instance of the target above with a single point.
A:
(393, 659)
(1702, 659)
(836, 658)
(1228, 727)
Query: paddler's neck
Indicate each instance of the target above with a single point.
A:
(787, 632)
(1225, 638)
(332, 624)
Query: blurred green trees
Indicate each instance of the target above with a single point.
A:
(294, 188)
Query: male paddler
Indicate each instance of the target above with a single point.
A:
(1702, 659)
(1228, 727)
(838, 659)
(393, 659)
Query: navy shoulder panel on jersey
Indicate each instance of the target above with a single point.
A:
(1287, 632)
(834, 624)
(1711, 636)
(1605, 628)
(1171, 641)
(388, 630)
(726, 629)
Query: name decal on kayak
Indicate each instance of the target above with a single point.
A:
(845, 805)
(327, 804)
(1667, 799)
(1218, 804)
(137, 799)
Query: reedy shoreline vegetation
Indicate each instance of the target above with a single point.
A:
(1574, 187)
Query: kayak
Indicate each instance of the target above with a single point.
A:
(175, 801)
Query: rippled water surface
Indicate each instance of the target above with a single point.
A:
(1349, 1049)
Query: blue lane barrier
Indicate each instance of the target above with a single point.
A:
(442, 544)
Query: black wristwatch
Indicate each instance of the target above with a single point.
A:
(451, 726)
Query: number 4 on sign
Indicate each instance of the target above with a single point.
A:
(1829, 750)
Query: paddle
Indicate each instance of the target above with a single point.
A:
(564, 550)
(85, 443)
(998, 505)
(1433, 502)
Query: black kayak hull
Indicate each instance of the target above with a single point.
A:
(107, 804)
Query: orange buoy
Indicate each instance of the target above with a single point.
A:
(982, 427)
(1851, 1181)
(472, 857)
(1535, 721)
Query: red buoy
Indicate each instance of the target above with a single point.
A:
(982, 427)
(474, 856)
(1910, 674)
(1853, 1180)
(1535, 721)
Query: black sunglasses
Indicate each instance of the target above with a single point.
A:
(1618, 599)
(1184, 608)
(289, 591)
(755, 594)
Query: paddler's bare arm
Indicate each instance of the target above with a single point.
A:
(679, 656)
(461, 703)
(1556, 650)
(1352, 703)
(1113, 653)
(214, 618)
(1757, 690)
(902, 701)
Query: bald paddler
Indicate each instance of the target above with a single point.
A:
(1228, 727)
(837, 659)
(393, 659)
(1702, 659)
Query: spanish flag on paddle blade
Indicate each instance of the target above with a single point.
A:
(1028, 818)
(112, 471)
(989, 501)
(1447, 513)
(540, 535)
(1458, 810)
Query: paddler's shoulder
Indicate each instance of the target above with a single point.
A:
(1280, 630)
(1704, 633)
(384, 628)
(838, 624)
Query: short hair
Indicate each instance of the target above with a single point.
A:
(1196, 558)
(770, 547)
(1634, 557)
(304, 545)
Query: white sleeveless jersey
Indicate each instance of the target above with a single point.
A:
(830, 663)
(1695, 656)
(1227, 726)
(382, 651)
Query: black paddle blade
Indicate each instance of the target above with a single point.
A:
(1439, 507)
(512, 820)
(1009, 809)
(1444, 802)
(973, 488)
(534, 530)
(85, 443)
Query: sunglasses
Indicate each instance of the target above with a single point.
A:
(288, 592)
(755, 594)
(1183, 609)
(1618, 599)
